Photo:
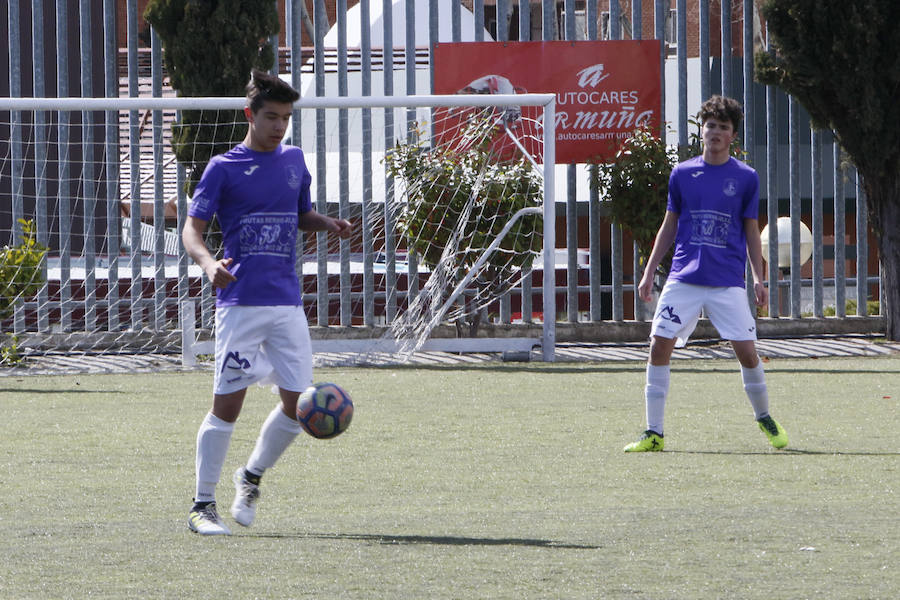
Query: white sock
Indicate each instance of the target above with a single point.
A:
(755, 386)
(655, 395)
(275, 436)
(213, 439)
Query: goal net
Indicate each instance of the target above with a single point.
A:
(447, 195)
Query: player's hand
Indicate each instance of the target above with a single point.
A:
(342, 227)
(645, 287)
(762, 293)
(218, 273)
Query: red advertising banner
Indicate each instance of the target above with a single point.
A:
(604, 90)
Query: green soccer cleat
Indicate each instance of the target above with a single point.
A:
(775, 432)
(205, 520)
(650, 441)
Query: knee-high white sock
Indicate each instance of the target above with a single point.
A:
(213, 439)
(655, 395)
(755, 386)
(276, 435)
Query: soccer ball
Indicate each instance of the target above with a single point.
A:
(324, 410)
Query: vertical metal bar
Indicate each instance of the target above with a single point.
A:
(322, 309)
(295, 10)
(88, 184)
(637, 20)
(15, 121)
(410, 44)
(15, 142)
(727, 88)
(749, 112)
(159, 222)
(862, 249)
(794, 153)
(749, 108)
(456, 20)
(64, 192)
(111, 55)
(367, 207)
(840, 233)
(548, 20)
(503, 20)
(478, 11)
(41, 149)
(571, 190)
(615, 20)
(343, 164)
(548, 337)
(681, 16)
(817, 255)
(274, 41)
(704, 49)
(390, 200)
(134, 147)
(772, 190)
(527, 288)
(524, 21)
(594, 220)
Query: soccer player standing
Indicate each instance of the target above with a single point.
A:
(711, 216)
(260, 192)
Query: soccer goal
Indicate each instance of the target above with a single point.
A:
(451, 199)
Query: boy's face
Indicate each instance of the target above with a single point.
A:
(718, 136)
(268, 124)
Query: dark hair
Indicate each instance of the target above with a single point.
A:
(267, 87)
(722, 108)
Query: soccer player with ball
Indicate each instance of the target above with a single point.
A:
(259, 190)
(711, 216)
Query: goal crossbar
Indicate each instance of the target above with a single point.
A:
(544, 102)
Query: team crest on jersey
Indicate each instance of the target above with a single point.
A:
(293, 176)
(730, 187)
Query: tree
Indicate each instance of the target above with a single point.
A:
(210, 49)
(636, 185)
(841, 60)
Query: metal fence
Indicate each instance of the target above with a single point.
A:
(802, 172)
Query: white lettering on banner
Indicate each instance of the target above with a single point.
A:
(591, 76)
(604, 119)
(607, 97)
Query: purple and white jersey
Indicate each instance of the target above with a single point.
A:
(258, 197)
(712, 202)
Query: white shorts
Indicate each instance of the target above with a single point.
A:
(257, 342)
(680, 305)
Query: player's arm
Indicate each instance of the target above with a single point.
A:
(754, 253)
(314, 221)
(216, 270)
(664, 238)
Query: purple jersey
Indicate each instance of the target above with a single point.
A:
(712, 202)
(257, 197)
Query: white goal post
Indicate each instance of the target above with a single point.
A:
(120, 282)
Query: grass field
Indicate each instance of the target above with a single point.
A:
(493, 481)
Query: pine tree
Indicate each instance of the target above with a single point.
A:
(841, 60)
(210, 47)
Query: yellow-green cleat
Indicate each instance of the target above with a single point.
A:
(650, 441)
(775, 432)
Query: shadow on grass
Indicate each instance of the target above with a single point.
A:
(57, 391)
(437, 540)
(785, 452)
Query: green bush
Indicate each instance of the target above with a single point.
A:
(20, 269)
(636, 186)
(439, 183)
